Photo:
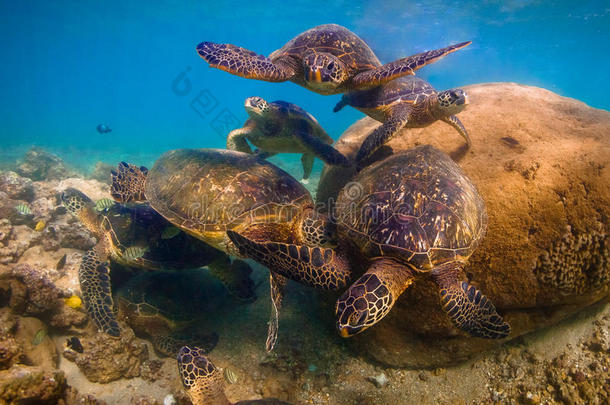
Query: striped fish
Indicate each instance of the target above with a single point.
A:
(23, 209)
(134, 252)
(104, 204)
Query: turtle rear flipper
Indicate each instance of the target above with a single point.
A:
(243, 62)
(402, 67)
(318, 147)
(316, 267)
(94, 278)
(395, 122)
(457, 124)
(467, 307)
(128, 183)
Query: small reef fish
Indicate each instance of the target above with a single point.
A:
(75, 344)
(23, 209)
(134, 252)
(230, 376)
(103, 129)
(61, 262)
(39, 337)
(170, 232)
(40, 226)
(104, 204)
(74, 302)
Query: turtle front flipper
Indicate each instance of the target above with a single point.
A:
(396, 121)
(317, 147)
(94, 278)
(277, 284)
(457, 124)
(128, 183)
(203, 382)
(237, 140)
(402, 67)
(307, 162)
(244, 63)
(235, 277)
(467, 307)
(317, 267)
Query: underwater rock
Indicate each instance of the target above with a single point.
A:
(39, 164)
(31, 385)
(107, 358)
(16, 187)
(38, 347)
(10, 350)
(31, 290)
(542, 171)
(101, 172)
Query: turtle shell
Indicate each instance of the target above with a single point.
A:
(333, 39)
(407, 88)
(209, 191)
(417, 206)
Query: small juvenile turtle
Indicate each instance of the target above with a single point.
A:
(162, 306)
(121, 230)
(220, 195)
(327, 59)
(281, 127)
(416, 215)
(407, 102)
(204, 383)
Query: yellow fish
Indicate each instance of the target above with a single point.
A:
(74, 302)
(39, 226)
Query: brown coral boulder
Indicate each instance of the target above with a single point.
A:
(106, 358)
(39, 164)
(16, 187)
(31, 385)
(540, 162)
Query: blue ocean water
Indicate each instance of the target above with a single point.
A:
(68, 66)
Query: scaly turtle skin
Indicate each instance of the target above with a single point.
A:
(204, 383)
(411, 214)
(327, 59)
(222, 196)
(121, 228)
(160, 306)
(407, 102)
(280, 127)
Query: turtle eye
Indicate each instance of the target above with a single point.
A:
(331, 66)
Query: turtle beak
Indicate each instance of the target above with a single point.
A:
(314, 76)
(343, 332)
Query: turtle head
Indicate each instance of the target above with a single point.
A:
(81, 206)
(324, 72)
(363, 305)
(452, 101)
(202, 381)
(256, 106)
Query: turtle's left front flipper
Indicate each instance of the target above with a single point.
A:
(402, 67)
(396, 120)
(94, 278)
(317, 147)
(457, 124)
(317, 267)
(467, 307)
(243, 62)
(277, 286)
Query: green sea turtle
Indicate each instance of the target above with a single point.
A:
(327, 59)
(204, 383)
(284, 127)
(133, 236)
(407, 102)
(411, 215)
(162, 306)
(211, 193)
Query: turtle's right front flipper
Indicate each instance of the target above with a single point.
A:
(244, 63)
(395, 122)
(277, 284)
(128, 183)
(317, 147)
(317, 267)
(94, 278)
(237, 140)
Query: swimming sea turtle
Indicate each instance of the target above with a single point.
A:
(204, 383)
(133, 236)
(209, 193)
(411, 215)
(162, 306)
(408, 102)
(327, 59)
(284, 127)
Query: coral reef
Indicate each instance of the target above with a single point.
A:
(38, 164)
(543, 180)
(101, 172)
(31, 384)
